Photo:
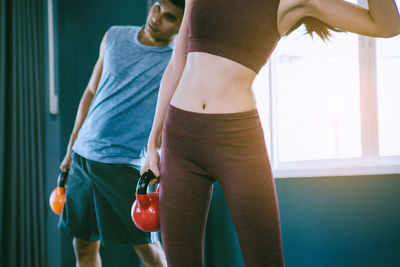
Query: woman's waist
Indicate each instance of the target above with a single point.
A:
(213, 84)
(210, 96)
(213, 102)
(237, 125)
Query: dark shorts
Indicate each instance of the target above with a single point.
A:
(98, 203)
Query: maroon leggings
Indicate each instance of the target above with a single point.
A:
(199, 149)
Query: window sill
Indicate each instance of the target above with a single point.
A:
(339, 167)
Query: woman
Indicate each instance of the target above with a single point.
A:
(207, 123)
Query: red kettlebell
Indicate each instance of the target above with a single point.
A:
(144, 212)
(57, 197)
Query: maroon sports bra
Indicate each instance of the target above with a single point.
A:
(244, 31)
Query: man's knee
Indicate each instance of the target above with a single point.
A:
(85, 248)
(151, 254)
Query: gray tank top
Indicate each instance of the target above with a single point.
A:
(120, 117)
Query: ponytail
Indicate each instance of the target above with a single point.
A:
(312, 25)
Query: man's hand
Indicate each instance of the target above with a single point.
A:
(66, 163)
(151, 162)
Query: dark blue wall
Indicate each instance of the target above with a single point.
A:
(331, 221)
(346, 221)
(53, 246)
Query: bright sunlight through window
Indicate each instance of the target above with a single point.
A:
(331, 108)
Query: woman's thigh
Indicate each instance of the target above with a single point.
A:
(242, 168)
(185, 194)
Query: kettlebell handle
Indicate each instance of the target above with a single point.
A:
(62, 178)
(144, 181)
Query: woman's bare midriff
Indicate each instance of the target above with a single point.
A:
(213, 84)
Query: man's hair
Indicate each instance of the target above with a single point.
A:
(178, 3)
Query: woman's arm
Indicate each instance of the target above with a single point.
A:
(169, 83)
(381, 19)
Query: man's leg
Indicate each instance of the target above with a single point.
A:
(152, 254)
(86, 253)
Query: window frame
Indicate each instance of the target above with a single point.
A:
(370, 162)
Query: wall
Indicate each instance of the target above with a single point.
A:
(346, 221)
(331, 221)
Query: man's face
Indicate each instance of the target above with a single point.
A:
(163, 21)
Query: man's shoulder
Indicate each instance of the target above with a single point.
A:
(123, 29)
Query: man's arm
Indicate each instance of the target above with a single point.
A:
(84, 105)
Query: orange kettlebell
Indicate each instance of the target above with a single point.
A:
(145, 212)
(57, 197)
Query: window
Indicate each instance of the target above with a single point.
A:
(331, 108)
(388, 81)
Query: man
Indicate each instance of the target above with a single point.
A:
(114, 119)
